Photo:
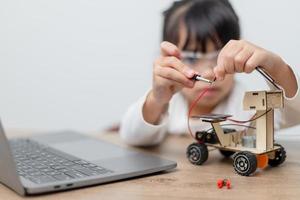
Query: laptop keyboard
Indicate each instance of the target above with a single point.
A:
(43, 164)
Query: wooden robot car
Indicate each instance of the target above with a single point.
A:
(250, 150)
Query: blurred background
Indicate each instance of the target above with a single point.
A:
(78, 64)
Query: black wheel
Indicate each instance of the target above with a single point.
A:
(244, 163)
(197, 153)
(280, 156)
(225, 153)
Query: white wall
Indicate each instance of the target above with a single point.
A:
(79, 63)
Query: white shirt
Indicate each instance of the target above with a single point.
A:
(136, 131)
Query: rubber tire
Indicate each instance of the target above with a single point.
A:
(242, 158)
(197, 153)
(280, 156)
(226, 154)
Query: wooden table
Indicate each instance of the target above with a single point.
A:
(189, 181)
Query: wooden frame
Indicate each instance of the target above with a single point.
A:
(264, 103)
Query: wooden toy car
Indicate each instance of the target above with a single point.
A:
(249, 150)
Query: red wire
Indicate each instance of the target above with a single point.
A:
(194, 103)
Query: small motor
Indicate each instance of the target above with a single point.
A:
(249, 141)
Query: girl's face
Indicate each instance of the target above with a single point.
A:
(204, 64)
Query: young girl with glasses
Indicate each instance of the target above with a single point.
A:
(203, 37)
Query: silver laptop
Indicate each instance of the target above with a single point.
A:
(66, 160)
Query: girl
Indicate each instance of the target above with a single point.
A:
(203, 37)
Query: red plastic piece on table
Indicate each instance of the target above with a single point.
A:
(220, 183)
(224, 182)
(228, 184)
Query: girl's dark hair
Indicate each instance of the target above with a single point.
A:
(203, 20)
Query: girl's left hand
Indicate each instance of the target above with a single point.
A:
(242, 56)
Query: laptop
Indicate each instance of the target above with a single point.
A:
(67, 160)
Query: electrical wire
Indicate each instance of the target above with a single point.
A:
(253, 118)
(194, 103)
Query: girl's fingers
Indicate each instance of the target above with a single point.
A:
(208, 74)
(169, 49)
(172, 84)
(175, 63)
(174, 75)
(219, 73)
(241, 58)
(227, 56)
(171, 58)
(236, 56)
(254, 61)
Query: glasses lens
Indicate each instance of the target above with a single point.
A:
(197, 58)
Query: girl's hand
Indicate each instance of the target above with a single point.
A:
(243, 56)
(169, 74)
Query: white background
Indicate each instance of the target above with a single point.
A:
(78, 64)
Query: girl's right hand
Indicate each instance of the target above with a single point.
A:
(170, 75)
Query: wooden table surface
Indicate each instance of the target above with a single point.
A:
(188, 181)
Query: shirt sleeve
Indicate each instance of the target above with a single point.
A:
(136, 131)
(291, 110)
(290, 114)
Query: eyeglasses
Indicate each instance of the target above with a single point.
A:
(193, 58)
